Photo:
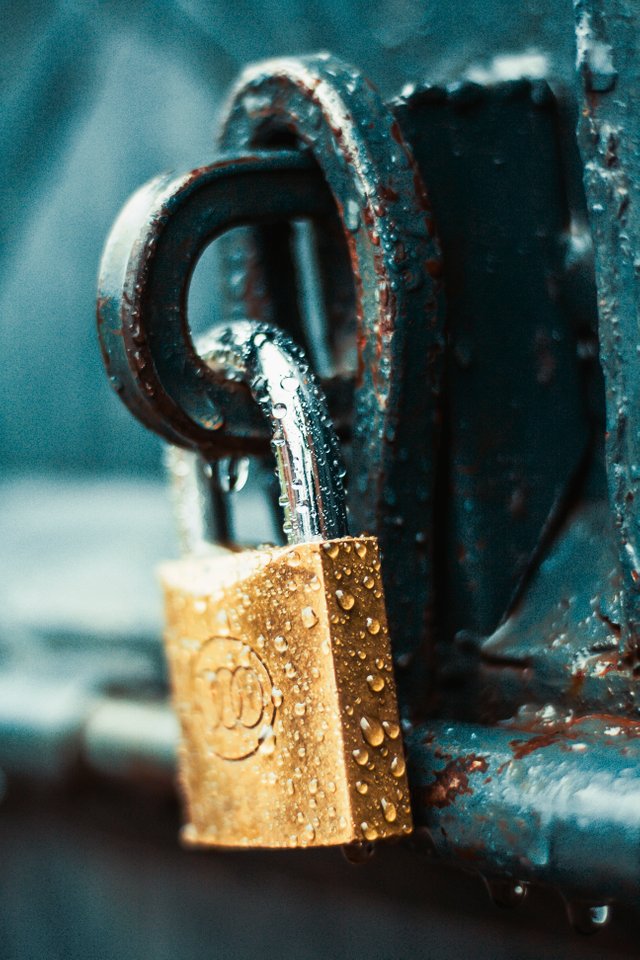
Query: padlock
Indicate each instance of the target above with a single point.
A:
(280, 658)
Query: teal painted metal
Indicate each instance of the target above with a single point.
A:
(608, 36)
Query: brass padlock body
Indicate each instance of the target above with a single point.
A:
(283, 684)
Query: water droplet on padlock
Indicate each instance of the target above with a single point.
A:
(267, 741)
(346, 600)
(361, 549)
(279, 410)
(361, 757)
(398, 766)
(300, 709)
(309, 617)
(369, 583)
(376, 682)
(372, 731)
(280, 644)
(369, 831)
(507, 892)
(373, 626)
(331, 549)
(276, 697)
(313, 786)
(362, 786)
(290, 787)
(391, 729)
(389, 810)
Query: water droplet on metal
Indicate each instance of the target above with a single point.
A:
(389, 810)
(361, 757)
(267, 742)
(332, 549)
(346, 600)
(351, 215)
(376, 682)
(369, 831)
(398, 766)
(373, 626)
(372, 731)
(309, 617)
(391, 729)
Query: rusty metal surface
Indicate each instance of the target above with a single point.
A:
(546, 799)
(534, 618)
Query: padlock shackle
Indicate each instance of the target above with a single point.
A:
(308, 459)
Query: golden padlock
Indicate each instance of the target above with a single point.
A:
(280, 658)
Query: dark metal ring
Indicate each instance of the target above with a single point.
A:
(142, 293)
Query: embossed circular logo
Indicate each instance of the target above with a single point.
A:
(232, 697)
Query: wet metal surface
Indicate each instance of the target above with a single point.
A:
(477, 423)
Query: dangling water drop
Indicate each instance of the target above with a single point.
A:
(588, 917)
(506, 892)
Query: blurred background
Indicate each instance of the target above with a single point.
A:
(97, 97)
